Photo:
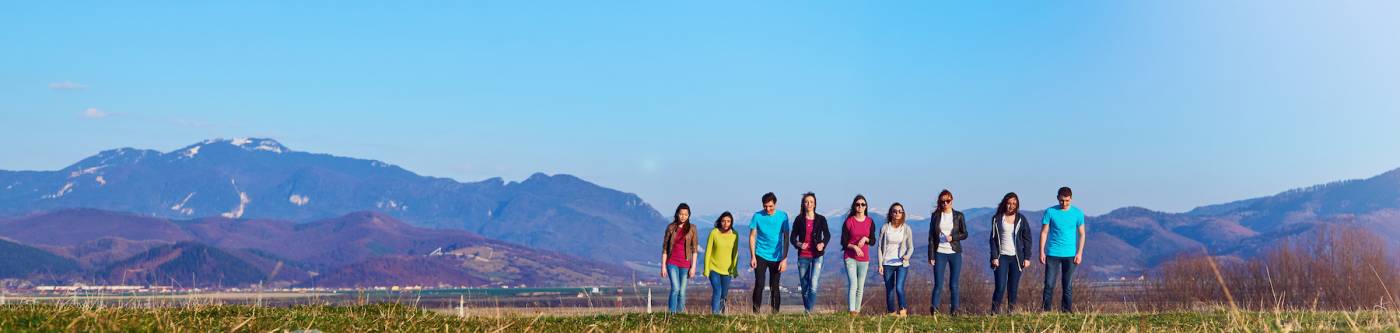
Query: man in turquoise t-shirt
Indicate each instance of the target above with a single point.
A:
(1061, 248)
(768, 233)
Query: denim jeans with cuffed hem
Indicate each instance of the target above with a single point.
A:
(675, 303)
(894, 288)
(1063, 268)
(856, 271)
(809, 271)
(719, 285)
(1008, 279)
(951, 263)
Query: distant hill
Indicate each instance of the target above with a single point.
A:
(24, 262)
(237, 252)
(262, 179)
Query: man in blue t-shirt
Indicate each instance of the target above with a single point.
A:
(1061, 248)
(768, 233)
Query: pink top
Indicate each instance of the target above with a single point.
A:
(810, 250)
(857, 230)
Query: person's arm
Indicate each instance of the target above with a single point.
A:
(795, 238)
(710, 251)
(1024, 249)
(961, 224)
(782, 257)
(694, 244)
(932, 239)
(665, 250)
(1079, 253)
(907, 246)
(880, 251)
(825, 235)
(734, 257)
(995, 246)
(1044, 235)
(753, 250)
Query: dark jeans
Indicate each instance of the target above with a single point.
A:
(809, 272)
(1064, 267)
(894, 287)
(719, 284)
(768, 269)
(1008, 279)
(952, 263)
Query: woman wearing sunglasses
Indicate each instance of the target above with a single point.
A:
(945, 250)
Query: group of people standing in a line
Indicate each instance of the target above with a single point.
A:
(771, 230)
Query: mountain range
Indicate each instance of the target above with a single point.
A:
(262, 203)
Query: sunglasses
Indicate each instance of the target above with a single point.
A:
(899, 212)
(860, 204)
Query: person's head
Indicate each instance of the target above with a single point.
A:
(682, 214)
(1065, 196)
(945, 201)
(770, 202)
(725, 222)
(1010, 204)
(858, 206)
(809, 202)
(895, 216)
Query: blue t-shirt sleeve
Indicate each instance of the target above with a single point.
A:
(1081, 219)
(1046, 218)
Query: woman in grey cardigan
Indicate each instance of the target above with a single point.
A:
(896, 246)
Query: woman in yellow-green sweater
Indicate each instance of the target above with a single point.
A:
(721, 254)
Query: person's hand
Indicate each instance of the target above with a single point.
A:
(996, 262)
(931, 262)
(881, 269)
(859, 253)
(753, 262)
(692, 273)
(802, 245)
(782, 266)
(663, 272)
(821, 246)
(1078, 258)
(864, 240)
(1025, 263)
(904, 261)
(1042, 258)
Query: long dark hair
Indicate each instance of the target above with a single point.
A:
(720, 225)
(889, 216)
(676, 218)
(858, 198)
(1005, 201)
(803, 204)
(939, 201)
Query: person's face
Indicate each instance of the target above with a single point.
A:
(726, 222)
(1012, 205)
(947, 201)
(897, 213)
(810, 203)
(770, 207)
(1064, 201)
(860, 206)
(683, 215)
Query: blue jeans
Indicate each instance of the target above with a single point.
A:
(894, 287)
(809, 271)
(1008, 279)
(676, 301)
(720, 286)
(951, 263)
(1064, 267)
(856, 271)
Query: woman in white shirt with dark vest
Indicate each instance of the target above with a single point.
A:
(1010, 247)
(945, 250)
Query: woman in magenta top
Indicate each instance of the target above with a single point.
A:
(856, 235)
(678, 257)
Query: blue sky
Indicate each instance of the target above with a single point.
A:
(1166, 105)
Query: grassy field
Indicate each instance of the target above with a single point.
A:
(400, 318)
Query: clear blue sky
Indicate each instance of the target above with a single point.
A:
(1166, 105)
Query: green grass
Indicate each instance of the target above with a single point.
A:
(399, 318)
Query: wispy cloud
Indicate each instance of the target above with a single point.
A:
(67, 85)
(95, 113)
